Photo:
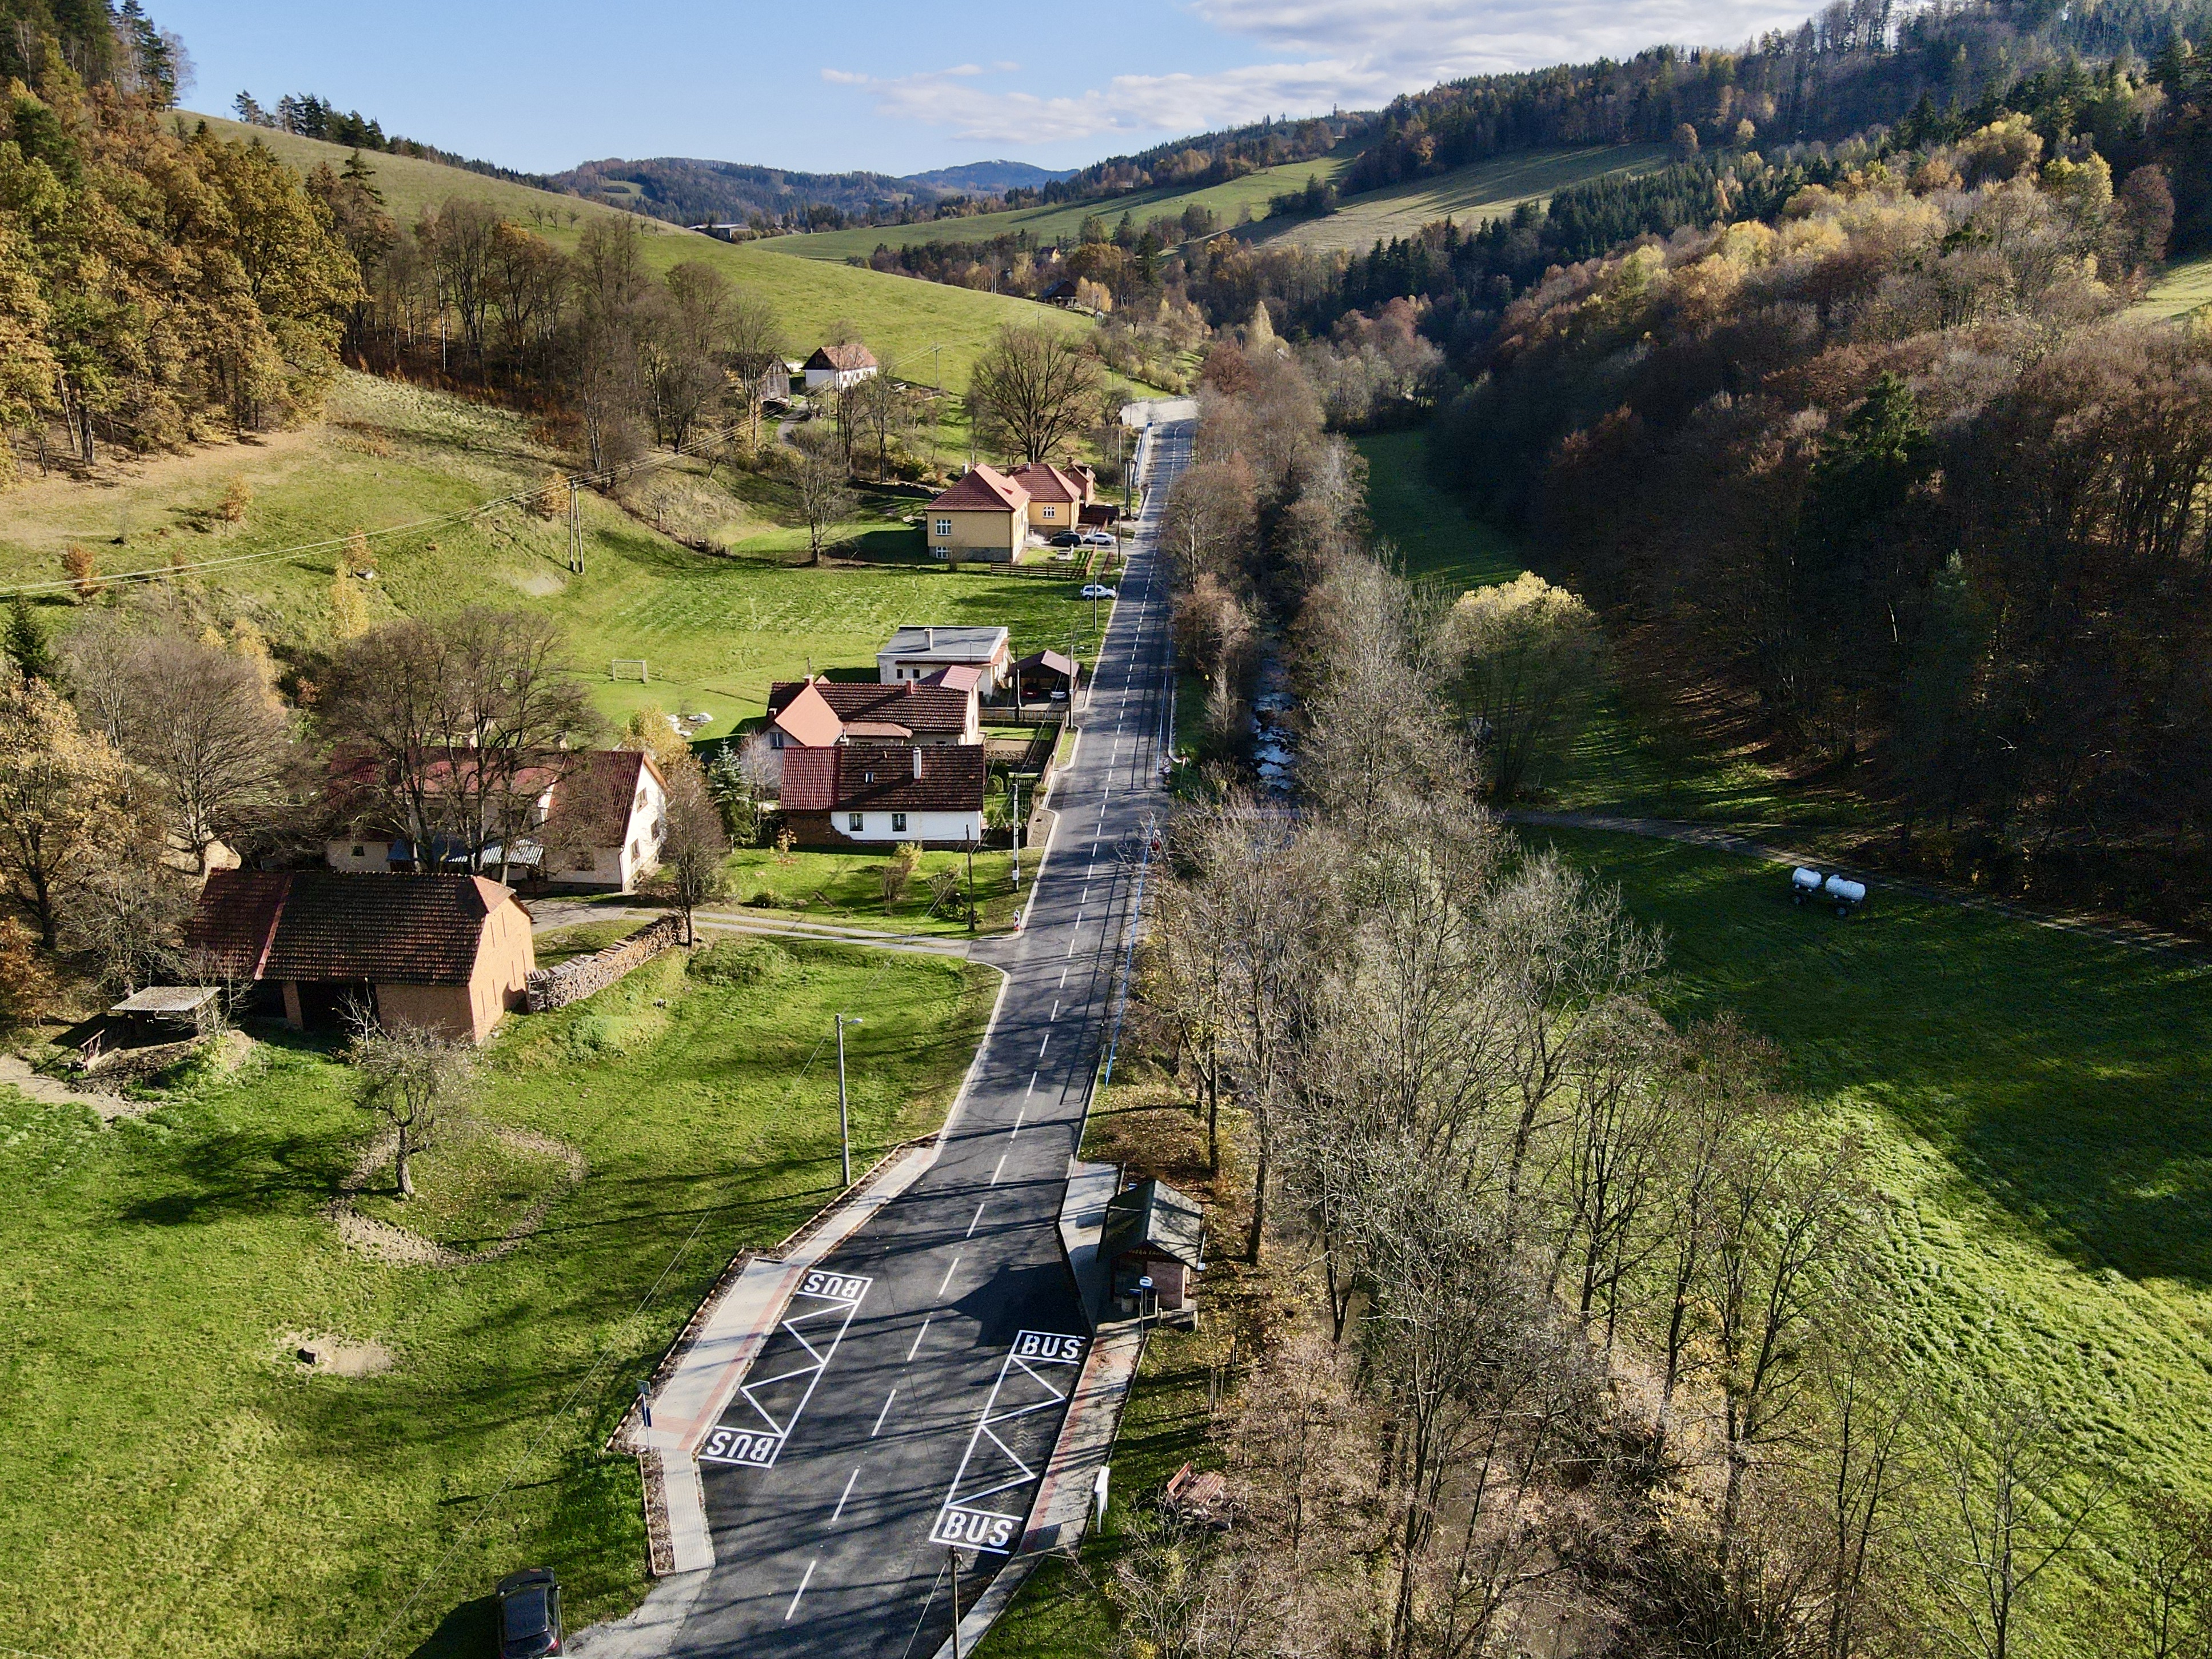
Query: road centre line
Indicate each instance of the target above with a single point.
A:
(1031, 1089)
(1041, 1047)
(942, 1283)
(1054, 1016)
(844, 1494)
(801, 1590)
(995, 1177)
(923, 1332)
(972, 1225)
(882, 1414)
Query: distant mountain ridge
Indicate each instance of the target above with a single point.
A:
(688, 190)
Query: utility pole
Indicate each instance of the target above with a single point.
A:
(1016, 784)
(953, 1556)
(844, 1123)
(575, 530)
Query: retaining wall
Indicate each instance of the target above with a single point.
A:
(578, 977)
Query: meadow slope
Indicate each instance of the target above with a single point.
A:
(899, 317)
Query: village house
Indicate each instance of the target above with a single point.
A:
(919, 650)
(451, 953)
(984, 515)
(766, 372)
(815, 713)
(881, 794)
(591, 818)
(838, 367)
(1057, 494)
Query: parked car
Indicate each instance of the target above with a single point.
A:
(529, 1614)
(1098, 538)
(1097, 591)
(1067, 538)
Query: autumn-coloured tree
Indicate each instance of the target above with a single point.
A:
(66, 800)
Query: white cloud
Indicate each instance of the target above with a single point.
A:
(1348, 54)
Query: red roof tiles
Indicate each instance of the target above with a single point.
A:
(319, 926)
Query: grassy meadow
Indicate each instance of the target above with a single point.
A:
(1480, 190)
(714, 627)
(2182, 289)
(1061, 222)
(899, 318)
(2038, 1110)
(177, 1481)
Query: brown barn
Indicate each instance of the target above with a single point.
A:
(449, 953)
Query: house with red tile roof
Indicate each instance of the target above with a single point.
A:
(583, 818)
(814, 713)
(984, 515)
(881, 794)
(451, 953)
(1057, 494)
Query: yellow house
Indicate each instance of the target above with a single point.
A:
(1057, 494)
(984, 515)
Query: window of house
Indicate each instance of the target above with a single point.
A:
(638, 804)
(359, 851)
(867, 777)
(1049, 511)
(633, 852)
(775, 739)
(853, 822)
(898, 824)
(945, 526)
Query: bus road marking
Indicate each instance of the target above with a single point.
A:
(832, 1299)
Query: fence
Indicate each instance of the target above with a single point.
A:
(580, 976)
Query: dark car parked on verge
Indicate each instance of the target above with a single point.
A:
(1068, 538)
(529, 1614)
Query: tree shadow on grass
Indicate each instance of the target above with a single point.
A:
(242, 1174)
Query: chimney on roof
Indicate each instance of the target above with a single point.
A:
(917, 761)
(929, 638)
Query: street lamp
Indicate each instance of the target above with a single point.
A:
(844, 1121)
(1015, 784)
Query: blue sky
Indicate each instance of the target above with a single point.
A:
(895, 87)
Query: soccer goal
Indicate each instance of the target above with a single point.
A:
(628, 668)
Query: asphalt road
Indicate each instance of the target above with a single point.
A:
(911, 1398)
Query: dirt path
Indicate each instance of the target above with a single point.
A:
(15, 1072)
(2112, 930)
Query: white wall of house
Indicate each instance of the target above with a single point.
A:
(625, 867)
(841, 378)
(358, 855)
(890, 827)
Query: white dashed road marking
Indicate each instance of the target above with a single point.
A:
(801, 1590)
(882, 1414)
(977, 1221)
(947, 1280)
(842, 1496)
(919, 1334)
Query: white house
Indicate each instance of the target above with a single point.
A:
(594, 819)
(881, 794)
(919, 650)
(838, 367)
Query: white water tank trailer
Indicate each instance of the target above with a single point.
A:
(1848, 895)
(1803, 885)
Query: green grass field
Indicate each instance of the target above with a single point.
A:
(2038, 1108)
(715, 628)
(1480, 190)
(1061, 223)
(176, 1480)
(845, 890)
(899, 318)
(2183, 288)
(1432, 536)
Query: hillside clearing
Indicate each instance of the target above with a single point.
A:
(716, 628)
(1063, 222)
(2184, 287)
(200, 1487)
(900, 318)
(1482, 190)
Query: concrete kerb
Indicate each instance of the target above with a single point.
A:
(703, 1370)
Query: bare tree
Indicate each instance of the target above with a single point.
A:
(1031, 393)
(459, 724)
(694, 847)
(2169, 1616)
(412, 1080)
(819, 472)
(204, 726)
(2017, 1507)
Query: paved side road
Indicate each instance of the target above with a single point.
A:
(908, 1403)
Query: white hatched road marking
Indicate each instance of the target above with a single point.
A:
(990, 1468)
(835, 1297)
